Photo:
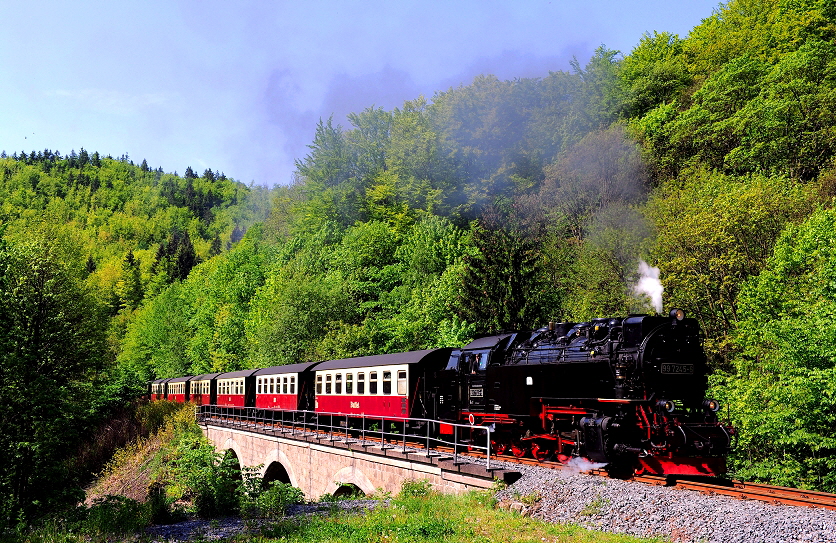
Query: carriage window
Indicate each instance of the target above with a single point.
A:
(293, 384)
(361, 384)
(319, 384)
(373, 382)
(284, 385)
(258, 386)
(328, 384)
(387, 382)
(338, 383)
(349, 383)
(402, 382)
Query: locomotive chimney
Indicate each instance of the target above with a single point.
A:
(551, 326)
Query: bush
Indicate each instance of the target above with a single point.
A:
(108, 516)
(273, 502)
(414, 489)
(212, 480)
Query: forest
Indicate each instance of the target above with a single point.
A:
(491, 206)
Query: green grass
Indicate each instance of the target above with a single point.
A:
(430, 517)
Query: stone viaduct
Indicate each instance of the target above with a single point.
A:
(318, 465)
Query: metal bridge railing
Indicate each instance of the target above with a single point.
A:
(387, 432)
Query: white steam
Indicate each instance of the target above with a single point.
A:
(582, 464)
(649, 284)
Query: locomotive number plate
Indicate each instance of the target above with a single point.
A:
(678, 369)
(477, 393)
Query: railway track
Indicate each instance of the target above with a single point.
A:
(775, 495)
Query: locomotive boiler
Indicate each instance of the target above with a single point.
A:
(628, 392)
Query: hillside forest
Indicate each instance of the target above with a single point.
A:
(491, 206)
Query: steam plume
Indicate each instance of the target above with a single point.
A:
(582, 464)
(649, 284)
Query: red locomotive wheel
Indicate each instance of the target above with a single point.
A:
(518, 449)
(540, 453)
(499, 447)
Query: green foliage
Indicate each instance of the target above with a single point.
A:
(114, 515)
(782, 391)
(655, 72)
(415, 488)
(715, 231)
(51, 346)
(274, 501)
(210, 479)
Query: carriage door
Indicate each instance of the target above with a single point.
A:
(474, 367)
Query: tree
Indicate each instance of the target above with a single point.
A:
(713, 233)
(501, 281)
(51, 343)
(130, 286)
(782, 388)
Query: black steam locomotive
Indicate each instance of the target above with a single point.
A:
(628, 392)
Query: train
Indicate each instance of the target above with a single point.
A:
(626, 392)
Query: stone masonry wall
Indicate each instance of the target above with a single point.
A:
(317, 466)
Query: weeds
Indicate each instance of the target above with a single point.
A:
(594, 507)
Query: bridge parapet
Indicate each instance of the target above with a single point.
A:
(318, 462)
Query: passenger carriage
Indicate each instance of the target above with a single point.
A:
(159, 389)
(204, 389)
(396, 385)
(236, 388)
(285, 387)
(178, 389)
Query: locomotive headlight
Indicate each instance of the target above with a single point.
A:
(666, 405)
(677, 314)
(711, 405)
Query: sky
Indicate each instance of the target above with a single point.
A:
(238, 86)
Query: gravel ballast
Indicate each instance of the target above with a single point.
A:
(567, 496)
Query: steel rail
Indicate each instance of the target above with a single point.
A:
(776, 495)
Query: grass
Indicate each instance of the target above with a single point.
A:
(471, 518)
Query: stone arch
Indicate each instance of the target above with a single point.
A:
(352, 476)
(277, 456)
(347, 489)
(231, 445)
(240, 465)
(275, 472)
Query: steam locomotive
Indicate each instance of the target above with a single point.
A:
(627, 392)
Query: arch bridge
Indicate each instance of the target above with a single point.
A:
(329, 454)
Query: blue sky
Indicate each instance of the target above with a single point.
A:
(239, 86)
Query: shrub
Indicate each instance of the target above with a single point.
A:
(273, 502)
(414, 489)
(112, 515)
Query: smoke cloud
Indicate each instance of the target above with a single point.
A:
(649, 285)
(582, 464)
